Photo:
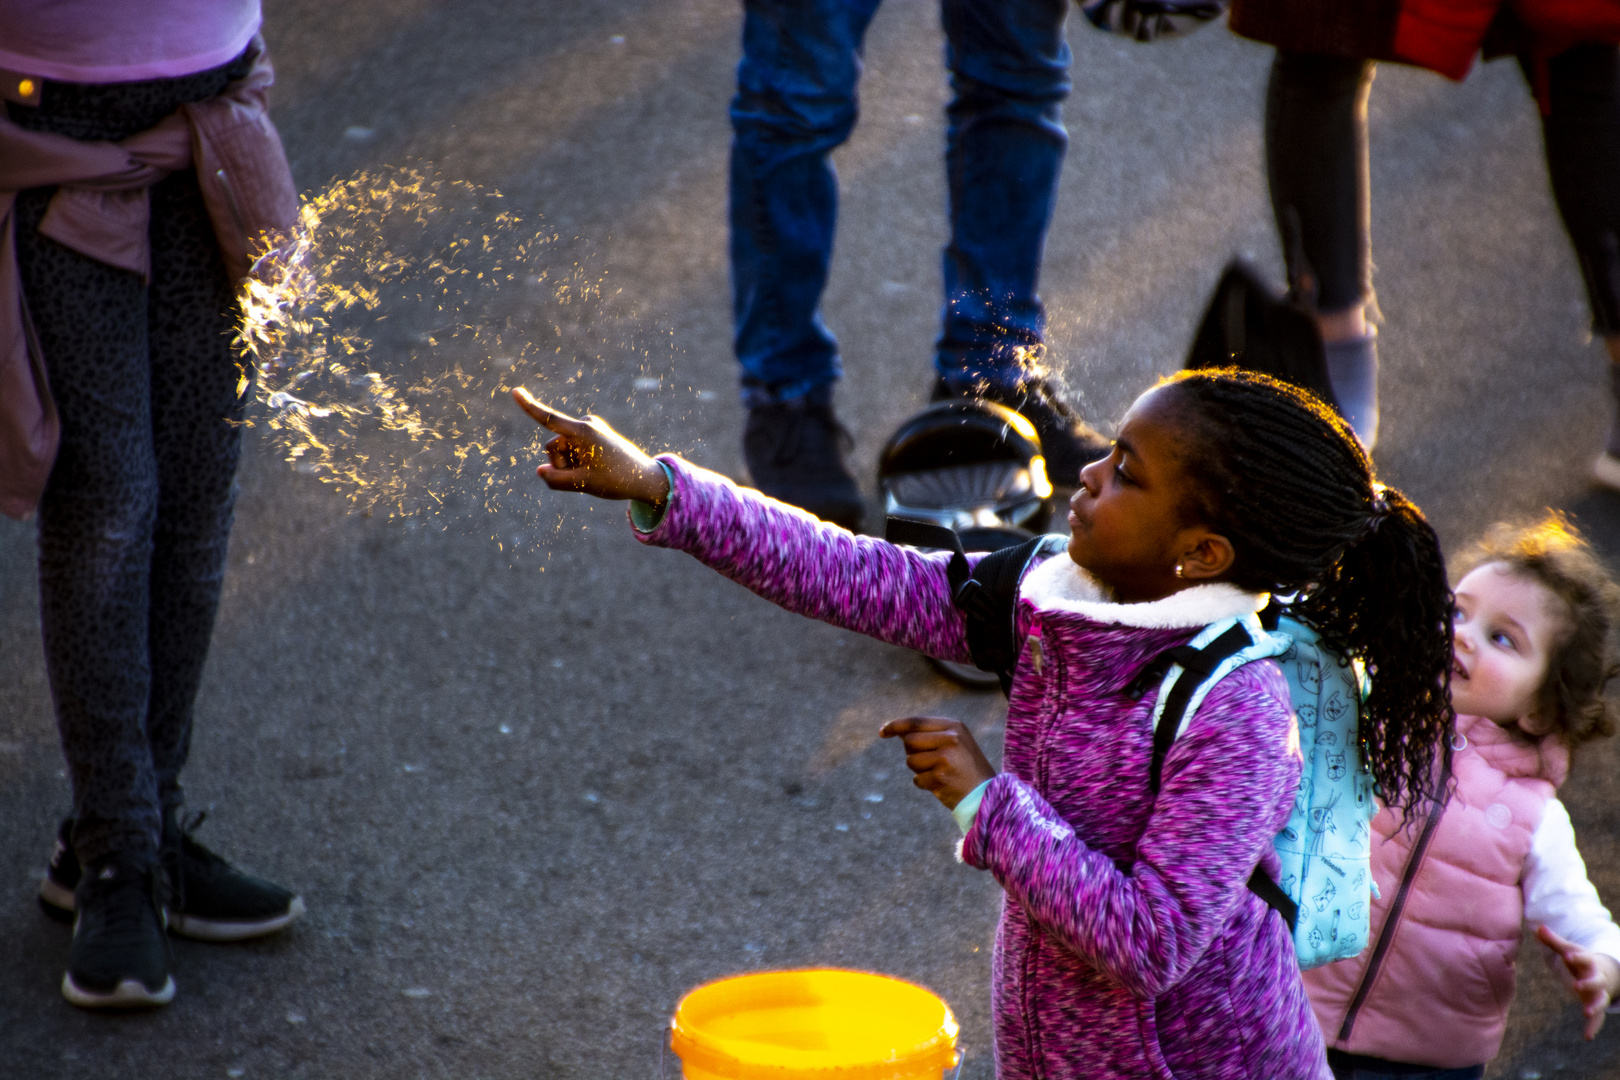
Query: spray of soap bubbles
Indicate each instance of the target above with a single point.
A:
(385, 337)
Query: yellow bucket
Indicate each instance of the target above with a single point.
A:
(821, 1024)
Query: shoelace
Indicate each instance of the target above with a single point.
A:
(124, 922)
(173, 858)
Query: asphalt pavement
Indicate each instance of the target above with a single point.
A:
(534, 783)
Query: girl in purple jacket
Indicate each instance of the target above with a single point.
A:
(1129, 943)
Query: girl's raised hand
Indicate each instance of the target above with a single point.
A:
(591, 457)
(943, 754)
(1591, 976)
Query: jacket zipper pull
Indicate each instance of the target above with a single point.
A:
(1037, 655)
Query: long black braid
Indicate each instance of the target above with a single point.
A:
(1285, 480)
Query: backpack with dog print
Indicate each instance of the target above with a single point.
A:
(1326, 846)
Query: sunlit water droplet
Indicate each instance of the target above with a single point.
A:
(385, 336)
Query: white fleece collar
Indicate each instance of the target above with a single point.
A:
(1060, 584)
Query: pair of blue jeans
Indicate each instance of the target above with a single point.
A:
(796, 101)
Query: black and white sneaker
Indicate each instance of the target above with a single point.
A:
(1068, 443)
(209, 899)
(213, 900)
(119, 958)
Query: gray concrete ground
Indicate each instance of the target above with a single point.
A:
(530, 801)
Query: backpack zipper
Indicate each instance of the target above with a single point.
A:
(1386, 933)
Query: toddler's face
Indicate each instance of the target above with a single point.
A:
(1506, 628)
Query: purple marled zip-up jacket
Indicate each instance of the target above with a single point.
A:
(1129, 944)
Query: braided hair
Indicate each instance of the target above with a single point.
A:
(1284, 479)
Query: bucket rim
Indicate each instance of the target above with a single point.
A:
(720, 1056)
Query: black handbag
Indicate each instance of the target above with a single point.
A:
(1248, 325)
(1149, 20)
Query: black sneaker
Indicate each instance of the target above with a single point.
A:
(795, 452)
(61, 876)
(209, 899)
(119, 958)
(213, 900)
(1068, 442)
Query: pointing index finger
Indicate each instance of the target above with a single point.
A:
(544, 414)
(911, 724)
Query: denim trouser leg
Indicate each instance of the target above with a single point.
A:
(795, 103)
(1005, 142)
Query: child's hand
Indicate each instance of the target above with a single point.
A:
(1592, 977)
(591, 457)
(943, 754)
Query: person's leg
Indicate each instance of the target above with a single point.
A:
(795, 103)
(197, 441)
(95, 534)
(1581, 129)
(95, 550)
(196, 413)
(1004, 147)
(1317, 168)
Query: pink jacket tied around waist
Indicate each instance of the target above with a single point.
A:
(1452, 952)
(101, 209)
(1129, 944)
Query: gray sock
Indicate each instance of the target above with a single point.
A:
(1352, 368)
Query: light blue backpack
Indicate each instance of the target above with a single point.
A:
(1326, 881)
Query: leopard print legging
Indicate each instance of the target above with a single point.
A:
(136, 517)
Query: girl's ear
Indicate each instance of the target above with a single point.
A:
(1208, 559)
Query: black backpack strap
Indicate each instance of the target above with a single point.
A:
(991, 606)
(898, 530)
(1272, 894)
(1198, 665)
(987, 598)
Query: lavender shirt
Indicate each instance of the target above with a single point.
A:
(109, 41)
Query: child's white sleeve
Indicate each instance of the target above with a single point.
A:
(1557, 891)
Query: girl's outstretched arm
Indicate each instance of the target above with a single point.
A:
(1229, 782)
(784, 554)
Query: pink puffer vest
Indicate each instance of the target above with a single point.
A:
(1435, 985)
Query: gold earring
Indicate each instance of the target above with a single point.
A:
(1179, 571)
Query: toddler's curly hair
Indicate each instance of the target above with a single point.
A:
(1552, 553)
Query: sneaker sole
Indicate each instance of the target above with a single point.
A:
(198, 928)
(1606, 471)
(129, 994)
(58, 903)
